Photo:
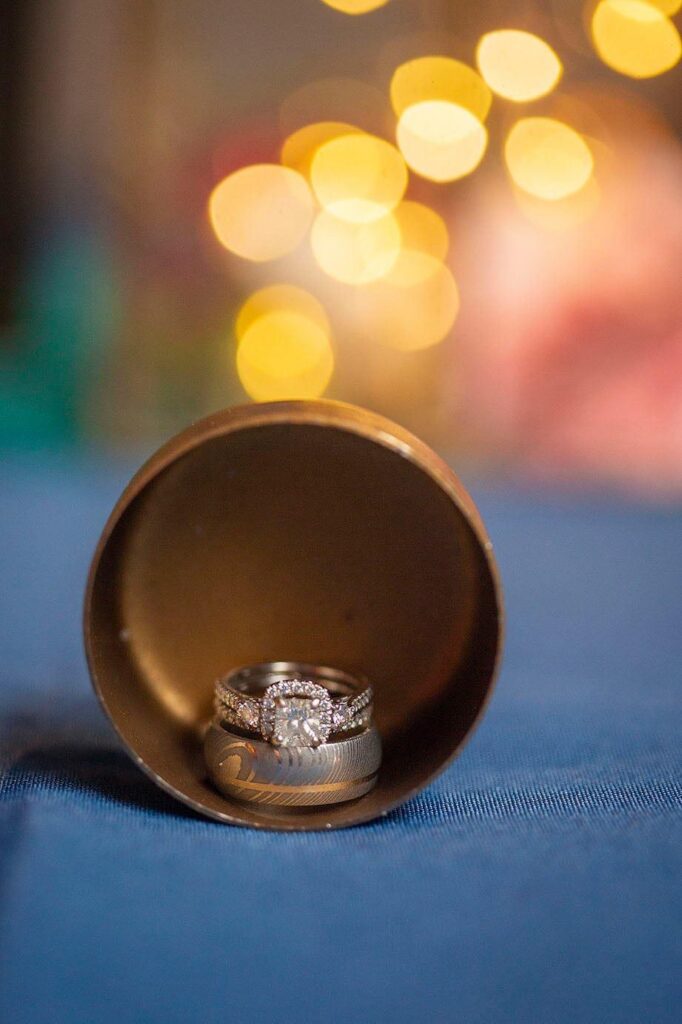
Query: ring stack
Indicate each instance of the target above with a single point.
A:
(293, 734)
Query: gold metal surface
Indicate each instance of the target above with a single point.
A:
(309, 531)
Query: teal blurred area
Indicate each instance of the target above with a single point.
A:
(70, 311)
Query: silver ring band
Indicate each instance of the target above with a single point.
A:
(293, 703)
(255, 771)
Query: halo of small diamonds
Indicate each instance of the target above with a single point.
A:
(302, 688)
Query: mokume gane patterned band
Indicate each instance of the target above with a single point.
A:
(255, 771)
(293, 704)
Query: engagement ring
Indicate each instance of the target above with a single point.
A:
(293, 704)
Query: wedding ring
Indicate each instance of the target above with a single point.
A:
(293, 704)
(255, 771)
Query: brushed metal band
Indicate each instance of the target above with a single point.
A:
(257, 772)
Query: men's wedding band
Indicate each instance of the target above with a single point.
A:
(255, 771)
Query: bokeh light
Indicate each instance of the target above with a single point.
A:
(358, 177)
(441, 104)
(284, 354)
(422, 229)
(441, 141)
(518, 65)
(355, 253)
(300, 147)
(635, 38)
(443, 79)
(422, 232)
(414, 314)
(547, 158)
(261, 212)
(280, 297)
(668, 7)
(355, 6)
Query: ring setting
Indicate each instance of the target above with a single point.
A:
(296, 714)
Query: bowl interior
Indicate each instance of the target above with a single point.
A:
(292, 541)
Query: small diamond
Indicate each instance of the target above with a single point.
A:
(249, 715)
(341, 716)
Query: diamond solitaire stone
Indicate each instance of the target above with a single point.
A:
(298, 722)
(296, 713)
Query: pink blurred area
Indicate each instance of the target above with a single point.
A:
(570, 367)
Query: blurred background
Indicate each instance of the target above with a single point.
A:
(466, 216)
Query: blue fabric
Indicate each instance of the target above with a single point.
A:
(538, 880)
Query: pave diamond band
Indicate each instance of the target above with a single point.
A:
(293, 704)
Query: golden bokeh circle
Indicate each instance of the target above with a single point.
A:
(358, 177)
(422, 229)
(355, 6)
(427, 79)
(280, 298)
(284, 355)
(518, 65)
(635, 38)
(299, 148)
(440, 140)
(547, 158)
(261, 212)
